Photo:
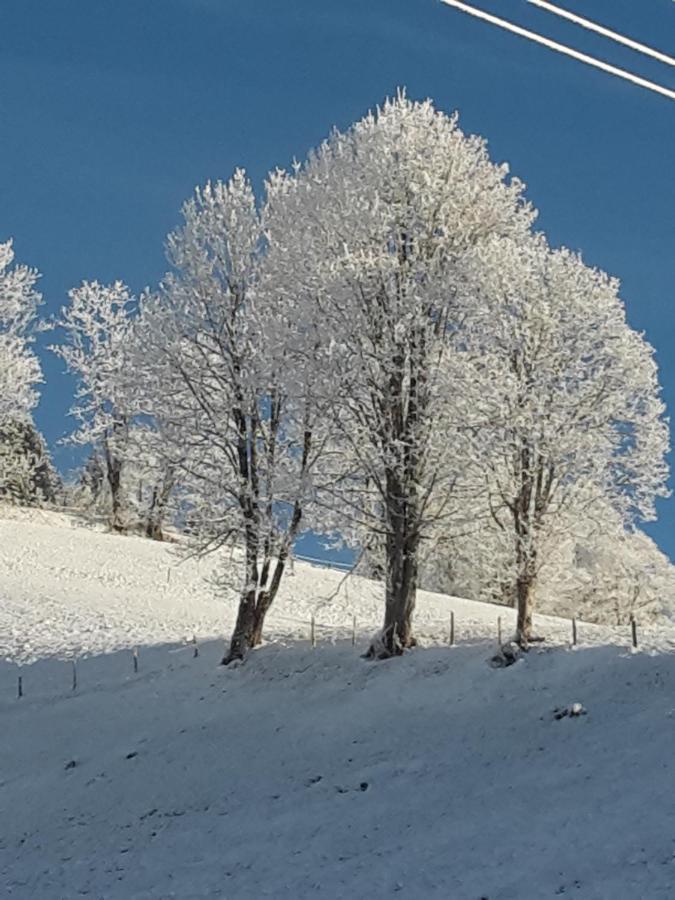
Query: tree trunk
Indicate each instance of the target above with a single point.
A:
(524, 514)
(524, 596)
(257, 597)
(262, 606)
(401, 592)
(266, 597)
(401, 575)
(536, 483)
(153, 527)
(153, 530)
(115, 482)
(256, 602)
(253, 607)
(114, 473)
(160, 498)
(242, 636)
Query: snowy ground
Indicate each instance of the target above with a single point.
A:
(311, 772)
(67, 590)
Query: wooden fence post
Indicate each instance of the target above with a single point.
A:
(19, 688)
(499, 630)
(574, 631)
(633, 628)
(452, 629)
(312, 632)
(353, 631)
(135, 654)
(74, 665)
(195, 647)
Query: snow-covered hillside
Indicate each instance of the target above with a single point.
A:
(311, 772)
(67, 590)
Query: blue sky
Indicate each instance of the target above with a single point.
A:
(113, 110)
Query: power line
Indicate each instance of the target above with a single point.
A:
(561, 48)
(605, 32)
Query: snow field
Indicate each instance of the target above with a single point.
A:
(314, 773)
(69, 591)
(311, 772)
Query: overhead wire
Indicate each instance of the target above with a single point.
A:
(561, 48)
(605, 32)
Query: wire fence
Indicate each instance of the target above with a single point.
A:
(70, 676)
(457, 627)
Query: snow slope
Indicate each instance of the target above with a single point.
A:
(311, 772)
(67, 590)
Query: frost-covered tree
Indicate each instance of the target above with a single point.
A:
(589, 565)
(469, 556)
(86, 489)
(229, 382)
(20, 456)
(97, 325)
(375, 229)
(19, 368)
(27, 476)
(570, 403)
(150, 479)
(600, 571)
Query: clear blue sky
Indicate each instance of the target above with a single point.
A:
(113, 110)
